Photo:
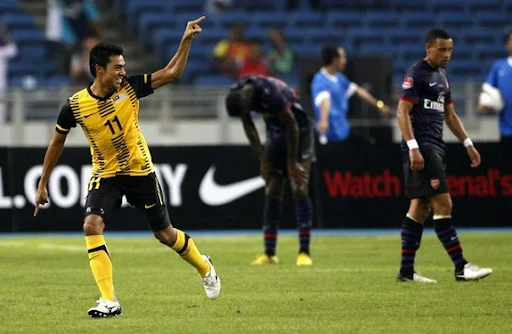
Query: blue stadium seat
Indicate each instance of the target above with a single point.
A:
(308, 49)
(260, 5)
(305, 20)
(492, 20)
(190, 6)
(28, 36)
(344, 19)
(9, 6)
(151, 21)
(412, 55)
(402, 37)
(212, 36)
(408, 5)
(439, 6)
(323, 36)
(379, 49)
(421, 22)
(382, 19)
(479, 6)
(481, 36)
(462, 52)
(463, 70)
(181, 19)
(364, 36)
(291, 79)
(36, 51)
(337, 4)
(453, 20)
(255, 33)
(135, 8)
(489, 52)
(269, 20)
(293, 35)
(213, 80)
(226, 20)
(18, 20)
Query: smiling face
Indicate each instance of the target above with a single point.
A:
(111, 77)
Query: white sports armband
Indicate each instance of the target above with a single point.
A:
(468, 142)
(412, 144)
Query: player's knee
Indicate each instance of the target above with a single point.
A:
(93, 225)
(444, 207)
(166, 236)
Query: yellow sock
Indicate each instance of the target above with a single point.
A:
(186, 248)
(101, 265)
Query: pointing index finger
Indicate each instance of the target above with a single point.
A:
(36, 211)
(199, 20)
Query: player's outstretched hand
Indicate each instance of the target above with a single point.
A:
(385, 111)
(193, 28)
(41, 199)
(416, 159)
(474, 156)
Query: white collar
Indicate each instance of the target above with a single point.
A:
(328, 75)
(509, 59)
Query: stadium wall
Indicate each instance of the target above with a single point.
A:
(218, 187)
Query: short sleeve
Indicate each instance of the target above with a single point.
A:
(141, 85)
(66, 120)
(492, 77)
(410, 86)
(319, 91)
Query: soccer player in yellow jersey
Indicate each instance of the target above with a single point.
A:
(108, 113)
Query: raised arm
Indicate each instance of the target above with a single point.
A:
(366, 96)
(176, 65)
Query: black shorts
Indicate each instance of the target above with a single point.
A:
(143, 192)
(276, 148)
(429, 181)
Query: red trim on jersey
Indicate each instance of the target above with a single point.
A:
(449, 102)
(286, 110)
(408, 99)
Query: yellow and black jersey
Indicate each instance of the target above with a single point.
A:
(111, 127)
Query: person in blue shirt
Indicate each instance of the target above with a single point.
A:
(500, 77)
(330, 92)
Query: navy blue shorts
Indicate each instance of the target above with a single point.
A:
(276, 148)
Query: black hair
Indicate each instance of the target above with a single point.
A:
(100, 55)
(235, 103)
(435, 34)
(329, 53)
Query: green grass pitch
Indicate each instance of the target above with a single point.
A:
(47, 287)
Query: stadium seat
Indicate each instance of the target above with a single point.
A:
(135, 8)
(421, 22)
(150, 21)
(462, 52)
(344, 19)
(452, 21)
(489, 52)
(255, 33)
(411, 39)
(293, 36)
(195, 7)
(18, 20)
(480, 36)
(27, 36)
(479, 6)
(323, 36)
(213, 80)
(492, 20)
(162, 38)
(226, 20)
(304, 20)
(463, 70)
(212, 37)
(364, 36)
(408, 5)
(382, 19)
(268, 20)
(439, 6)
(379, 50)
(260, 5)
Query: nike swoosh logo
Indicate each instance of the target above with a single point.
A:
(149, 206)
(432, 84)
(214, 194)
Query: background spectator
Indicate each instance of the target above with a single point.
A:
(254, 63)
(80, 73)
(68, 23)
(7, 50)
(215, 6)
(280, 57)
(230, 53)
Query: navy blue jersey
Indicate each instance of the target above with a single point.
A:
(271, 98)
(429, 90)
